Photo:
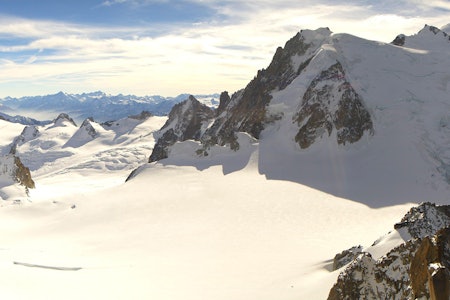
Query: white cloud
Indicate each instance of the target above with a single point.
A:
(221, 54)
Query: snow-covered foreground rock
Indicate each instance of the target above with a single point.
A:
(180, 233)
(417, 268)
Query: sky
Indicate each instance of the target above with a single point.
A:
(165, 47)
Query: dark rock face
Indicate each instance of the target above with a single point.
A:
(161, 148)
(330, 103)
(22, 174)
(399, 40)
(224, 100)
(64, 117)
(418, 268)
(12, 167)
(187, 120)
(346, 256)
(87, 126)
(246, 111)
(425, 220)
(144, 115)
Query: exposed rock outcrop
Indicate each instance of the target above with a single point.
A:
(22, 174)
(87, 126)
(62, 118)
(11, 167)
(224, 100)
(187, 120)
(346, 256)
(246, 110)
(330, 103)
(425, 220)
(144, 115)
(399, 40)
(416, 269)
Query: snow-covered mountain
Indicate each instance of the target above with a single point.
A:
(326, 148)
(98, 105)
(62, 147)
(21, 119)
(360, 119)
(417, 267)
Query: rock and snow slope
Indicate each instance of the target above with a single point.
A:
(417, 268)
(359, 119)
(107, 151)
(15, 178)
(191, 227)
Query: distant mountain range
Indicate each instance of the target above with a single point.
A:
(98, 105)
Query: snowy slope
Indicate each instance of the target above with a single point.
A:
(232, 224)
(406, 93)
(359, 119)
(8, 132)
(94, 155)
(183, 234)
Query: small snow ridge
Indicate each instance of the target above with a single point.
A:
(47, 267)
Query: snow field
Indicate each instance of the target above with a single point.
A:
(179, 233)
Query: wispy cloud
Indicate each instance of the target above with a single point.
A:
(223, 51)
(133, 3)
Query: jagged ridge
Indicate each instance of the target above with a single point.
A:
(419, 267)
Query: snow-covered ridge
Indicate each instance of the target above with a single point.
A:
(102, 107)
(418, 266)
(113, 148)
(355, 118)
(430, 38)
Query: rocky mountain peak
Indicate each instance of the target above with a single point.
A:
(87, 126)
(224, 100)
(433, 29)
(28, 133)
(144, 115)
(246, 110)
(187, 120)
(62, 119)
(330, 104)
(429, 37)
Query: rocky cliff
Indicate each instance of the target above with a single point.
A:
(246, 110)
(187, 120)
(11, 168)
(329, 104)
(416, 269)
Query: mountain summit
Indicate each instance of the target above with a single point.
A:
(356, 118)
